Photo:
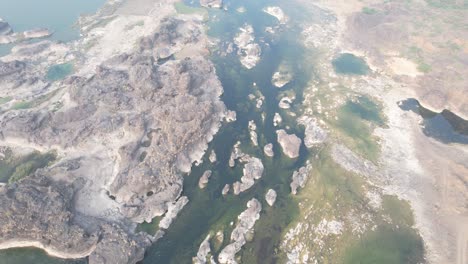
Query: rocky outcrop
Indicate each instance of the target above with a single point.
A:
(172, 212)
(270, 197)
(246, 222)
(248, 51)
(125, 133)
(212, 156)
(9, 37)
(203, 252)
(253, 133)
(268, 150)
(204, 179)
(314, 134)
(39, 212)
(212, 3)
(285, 102)
(290, 143)
(300, 177)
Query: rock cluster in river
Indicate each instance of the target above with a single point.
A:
(277, 12)
(8, 36)
(253, 170)
(253, 133)
(280, 79)
(248, 51)
(246, 222)
(290, 143)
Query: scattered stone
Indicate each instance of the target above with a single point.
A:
(203, 251)
(259, 103)
(212, 156)
(277, 119)
(281, 78)
(248, 51)
(268, 150)
(277, 12)
(299, 178)
(270, 197)
(235, 154)
(204, 179)
(225, 190)
(246, 222)
(172, 212)
(314, 134)
(289, 143)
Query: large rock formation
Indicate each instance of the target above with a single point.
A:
(39, 212)
(125, 134)
(300, 177)
(314, 133)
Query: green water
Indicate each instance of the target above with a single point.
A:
(348, 63)
(59, 71)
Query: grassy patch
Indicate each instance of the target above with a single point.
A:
(4, 100)
(13, 168)
(22, 105)
(399, 211)
(387, 245)
(182, 8)
(348, 63)
(369, 11)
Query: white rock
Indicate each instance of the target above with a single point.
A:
(270, 197)
(289, 143)
(268, 150)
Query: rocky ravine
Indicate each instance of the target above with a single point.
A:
(125, 133)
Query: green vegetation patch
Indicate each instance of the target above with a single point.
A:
(59, 71)
(387, 245)
(182, 8)
(13, 168)
(355, 122)
(369, 11)
(399, 211)
(4, 100)
(348, 63)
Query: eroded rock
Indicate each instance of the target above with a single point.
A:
(268, 150)
(300, 177)
(314, 133)
(248, 51)
(270, 197)
(290, 143)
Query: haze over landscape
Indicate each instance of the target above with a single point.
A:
(233, 131)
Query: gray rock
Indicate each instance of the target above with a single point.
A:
(245, 224)
(212, 3)
(212, 156)
(172, 212)
(270, 197)
(248, 51)
(203, 251)
(253, 133)
(268, 150)
(289, 143)
(225, 189)
(277, 119)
